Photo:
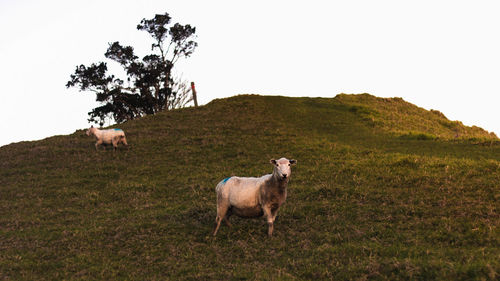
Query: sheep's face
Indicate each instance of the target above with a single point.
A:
(90, 131)
(282, 167)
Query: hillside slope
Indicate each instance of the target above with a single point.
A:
(402, 118)
(365, 200)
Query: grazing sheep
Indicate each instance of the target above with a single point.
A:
(254, 197)
(110, 136)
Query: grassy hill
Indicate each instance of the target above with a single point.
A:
(382, 190)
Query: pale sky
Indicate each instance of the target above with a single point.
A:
(437, 54)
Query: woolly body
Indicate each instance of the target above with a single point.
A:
(243, 195)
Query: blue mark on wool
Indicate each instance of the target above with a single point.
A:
(226, 179)
(118, 129)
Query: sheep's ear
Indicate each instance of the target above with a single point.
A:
(292, 161)
(272, 161)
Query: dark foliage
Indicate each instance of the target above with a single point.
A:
(149, 86)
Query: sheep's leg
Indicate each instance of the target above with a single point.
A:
(274, 213)
(226, 218)
(115, 143)
(221, 214)
(217, 225)
(97, 144)
(124, 141)
(269, 218)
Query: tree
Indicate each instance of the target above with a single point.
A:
(150, 87)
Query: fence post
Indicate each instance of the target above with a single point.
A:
(193, 89)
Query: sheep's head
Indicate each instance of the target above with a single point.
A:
(90, 130)
(282, 167)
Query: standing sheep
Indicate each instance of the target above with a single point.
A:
(110, 136)
(254, 197)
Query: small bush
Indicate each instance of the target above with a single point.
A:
(438, 113)
(418, 136)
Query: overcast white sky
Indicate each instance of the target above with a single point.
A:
(437, 54)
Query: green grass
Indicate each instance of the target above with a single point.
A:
(400, 117)
(370, 198)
